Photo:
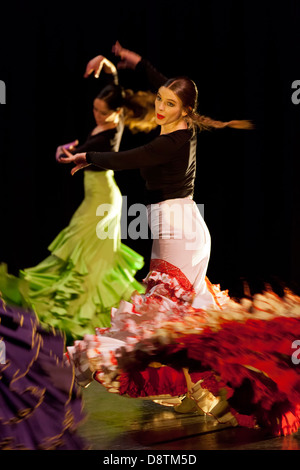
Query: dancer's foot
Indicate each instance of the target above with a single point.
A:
(221, 412)
(167, 401)
(203, 398)
(188, 405)
(217, 407)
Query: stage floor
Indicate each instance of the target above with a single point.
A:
(119, 423)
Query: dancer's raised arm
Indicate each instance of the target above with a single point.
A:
(97, 64)
(148, 74)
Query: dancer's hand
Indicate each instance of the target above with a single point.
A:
(96, 64)
(69, 146)
(129, 59)
(79, 159)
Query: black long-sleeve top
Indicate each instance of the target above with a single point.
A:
(105, 141)
(167, 164)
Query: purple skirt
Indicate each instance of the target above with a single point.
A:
(40, 406)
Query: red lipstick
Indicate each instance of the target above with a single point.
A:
(159, 116)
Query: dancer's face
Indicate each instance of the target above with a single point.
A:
(101, 111)
(168, 107)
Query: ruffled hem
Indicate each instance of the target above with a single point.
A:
(40, 406)
(166, 304)
(13, 290)
(65, 295)
(247, 346)
(88, 271)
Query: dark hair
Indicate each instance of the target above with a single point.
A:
(139, 110)
(138, 107)
(113, 96)
(186, 90)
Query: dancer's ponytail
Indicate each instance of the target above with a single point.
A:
(206, 123)
(187, 91)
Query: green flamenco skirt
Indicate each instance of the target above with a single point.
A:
(89, 270)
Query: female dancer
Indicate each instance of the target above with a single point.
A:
(89, 270)
(40, 406)
(233, 358)
(251, 385)
(168, 165)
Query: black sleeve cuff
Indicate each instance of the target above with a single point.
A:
(88, 157)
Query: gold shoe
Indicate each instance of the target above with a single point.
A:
(188, 405)
(221, 412)
(218, 407)
(204, 399)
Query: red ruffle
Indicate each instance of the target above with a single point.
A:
(164, 380)
(153, 382)
(172, 271)
(257, 351)
(243, 348)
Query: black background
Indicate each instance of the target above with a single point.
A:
(244, 57)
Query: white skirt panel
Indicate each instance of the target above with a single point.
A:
(181, 237)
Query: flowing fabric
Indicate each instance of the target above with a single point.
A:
(89, 270)
(186, 336)
(167, 301)
(237, 352)
(40, 405)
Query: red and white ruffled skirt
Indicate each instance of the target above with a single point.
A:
(239, 356)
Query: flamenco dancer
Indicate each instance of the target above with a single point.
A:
(89, 270)
(184, 335)
(40, 403)
(233, 359)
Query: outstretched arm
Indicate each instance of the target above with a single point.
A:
(79, 160)
(59, 151)
(97, 64)
(129, 59)
(159, 151)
